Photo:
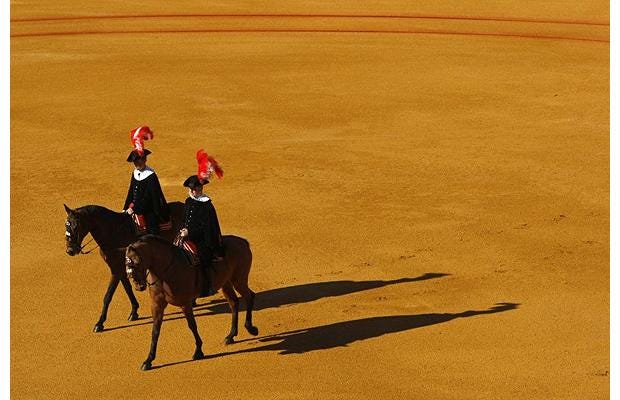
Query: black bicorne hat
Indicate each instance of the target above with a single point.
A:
(134, 155)
(194, 181)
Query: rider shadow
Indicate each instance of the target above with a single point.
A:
(274, 298)
(341, 334)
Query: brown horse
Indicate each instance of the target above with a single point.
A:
(112, 231)
(162, 266)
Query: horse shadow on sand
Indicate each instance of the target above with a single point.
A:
(306, 293)
(289, 295)
(341, 334)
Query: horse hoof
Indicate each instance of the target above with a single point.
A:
(199, 355)
(133, 316)
(229, 340)
(98, 328)
(146, 366)
(252, 330)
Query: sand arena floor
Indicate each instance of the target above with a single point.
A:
(425, 188)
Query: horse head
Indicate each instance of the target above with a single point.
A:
(136, 272)
(76, 230)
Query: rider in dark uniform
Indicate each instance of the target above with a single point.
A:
(201, 224)
(144, 196)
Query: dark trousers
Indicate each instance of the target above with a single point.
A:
(152, 224)
(206, 255)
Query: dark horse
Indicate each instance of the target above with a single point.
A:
(112, 231)
(153, 262)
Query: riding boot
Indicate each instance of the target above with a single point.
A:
(207, 282)
(218, 254)
(152, 224)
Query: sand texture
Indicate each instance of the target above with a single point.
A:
(425, 187)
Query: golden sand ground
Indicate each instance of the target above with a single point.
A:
(394, 188)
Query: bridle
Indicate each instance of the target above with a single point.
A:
(69, 234)
(129, 266)
(75, 243)
(148, 272)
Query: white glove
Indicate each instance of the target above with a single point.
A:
(184, 232)
(129, 211)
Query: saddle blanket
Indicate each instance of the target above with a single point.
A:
(141, 224)
(190, 250)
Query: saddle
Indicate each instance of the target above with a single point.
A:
(140, 223)
(190, 251)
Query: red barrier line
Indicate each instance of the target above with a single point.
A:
(495, 19)
(420, 32)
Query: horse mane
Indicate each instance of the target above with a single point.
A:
(156, 238)
(97, 211)
(150, 239)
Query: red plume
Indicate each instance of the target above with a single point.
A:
(207, 165)
(202, 158)
(215, 167)
(138, 136)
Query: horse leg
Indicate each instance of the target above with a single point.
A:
(106, 303)
(248, 297)
(157, 311)
(133, 316)
(191, 323)
(233, 301)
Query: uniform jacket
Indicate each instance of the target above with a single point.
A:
(145, 195)
(202, 224)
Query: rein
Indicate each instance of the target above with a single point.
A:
(84, 245)
(118, 228)
(148, 272)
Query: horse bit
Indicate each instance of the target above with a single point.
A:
(129, 270)
(81, 247)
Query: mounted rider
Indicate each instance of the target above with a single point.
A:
(201, 225)
(145, 200)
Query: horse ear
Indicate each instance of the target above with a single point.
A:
(67, 209)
